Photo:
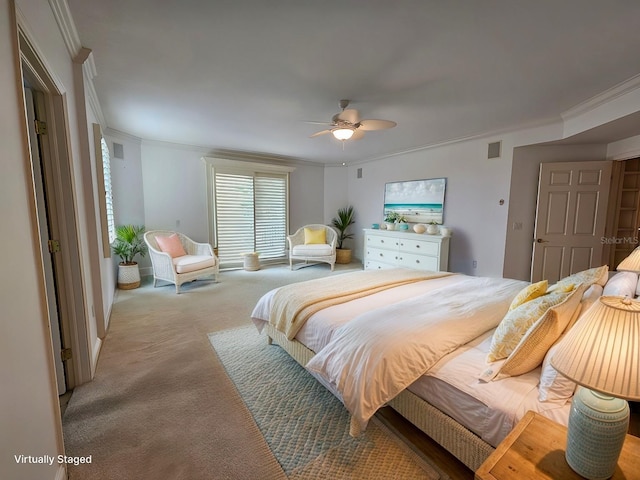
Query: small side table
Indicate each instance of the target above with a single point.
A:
(535, 450)
(251, 261)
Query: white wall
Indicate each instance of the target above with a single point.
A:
(336, 194)
(475, 188)
(173, 181)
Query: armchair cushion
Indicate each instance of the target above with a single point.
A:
(171, 245)
(312, 250)
(192, 263)
(312, 236)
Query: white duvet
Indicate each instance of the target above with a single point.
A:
(375, 356)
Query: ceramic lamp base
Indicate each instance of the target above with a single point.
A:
(597, 428)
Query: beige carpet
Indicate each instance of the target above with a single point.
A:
(161, 405)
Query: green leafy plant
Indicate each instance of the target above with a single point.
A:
(395, 217)
(342, 223)
(391, 217)
(129, 243)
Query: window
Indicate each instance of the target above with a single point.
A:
(105, 192)
(249, 209)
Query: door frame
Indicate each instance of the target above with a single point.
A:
(56, 148)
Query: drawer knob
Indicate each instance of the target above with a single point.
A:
(417, 261)
(417, 246)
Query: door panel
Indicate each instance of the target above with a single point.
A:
(570, 218)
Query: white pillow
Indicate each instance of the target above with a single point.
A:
(622, 284)
(588, 298)
(554, 387)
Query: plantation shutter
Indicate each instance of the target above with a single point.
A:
(250, 215)
(106, 173)
(234, 216)
(270, 215)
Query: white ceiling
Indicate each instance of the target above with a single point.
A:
(249, 75)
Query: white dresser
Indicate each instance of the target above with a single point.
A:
(389, 249)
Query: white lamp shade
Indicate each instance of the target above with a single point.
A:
(342, 133)
(602, 350)
(631, 263)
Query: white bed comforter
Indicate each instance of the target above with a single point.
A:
(379, 353)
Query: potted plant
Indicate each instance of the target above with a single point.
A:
(432, 227)
(127, 245)
(390, 220)
(342, 223)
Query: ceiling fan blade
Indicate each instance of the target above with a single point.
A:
(376, 124)
(358, 134)
(321, 132)
(350, 115)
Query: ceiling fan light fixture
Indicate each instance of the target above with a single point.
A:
(343, 133)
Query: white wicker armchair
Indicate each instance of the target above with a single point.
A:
(199, 261)
(317, 252)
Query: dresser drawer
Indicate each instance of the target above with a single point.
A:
(381, 255)
(381, 242)
(420, 247)
(417, 262)
(373, 265)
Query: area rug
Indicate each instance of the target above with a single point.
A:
(306, 427)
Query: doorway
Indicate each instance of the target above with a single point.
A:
(56, 217)
(38, 139)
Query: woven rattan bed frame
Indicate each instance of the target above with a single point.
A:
(461, 442)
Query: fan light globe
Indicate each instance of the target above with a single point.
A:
(342, 133)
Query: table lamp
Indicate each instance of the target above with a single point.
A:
(601, 353)
(631, 263)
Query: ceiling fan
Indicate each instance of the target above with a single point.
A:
(347, 124)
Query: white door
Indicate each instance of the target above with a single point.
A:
(43, 227)
(570, 218)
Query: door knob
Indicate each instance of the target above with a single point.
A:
(540, 240)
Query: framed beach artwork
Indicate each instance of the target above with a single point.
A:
(419, 201)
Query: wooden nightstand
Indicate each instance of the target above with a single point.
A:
(535, 450)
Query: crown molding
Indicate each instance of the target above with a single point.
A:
(122, 135)
(66, 25)
(602, 98)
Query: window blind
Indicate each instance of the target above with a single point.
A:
(270, 215)
(108, 190)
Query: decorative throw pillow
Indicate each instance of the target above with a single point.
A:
(171, 245)
(598, 275)
(622, 284)
(529, 293)
(516, 323)
(312, 236)
(534, 345)
(554, 387)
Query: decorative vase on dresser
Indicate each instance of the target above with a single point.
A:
(391, 249)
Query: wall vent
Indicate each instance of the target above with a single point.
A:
(359, 173)
(118, 150)
(494, 150)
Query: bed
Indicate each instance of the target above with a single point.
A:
(420, 342)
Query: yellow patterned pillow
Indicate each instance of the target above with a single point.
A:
(312, 236)
(529, 293)
(515, 324)
(532, 348)
(588, 277)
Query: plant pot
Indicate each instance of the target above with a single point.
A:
(343, 255)
(390, 225)
(128, 276)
